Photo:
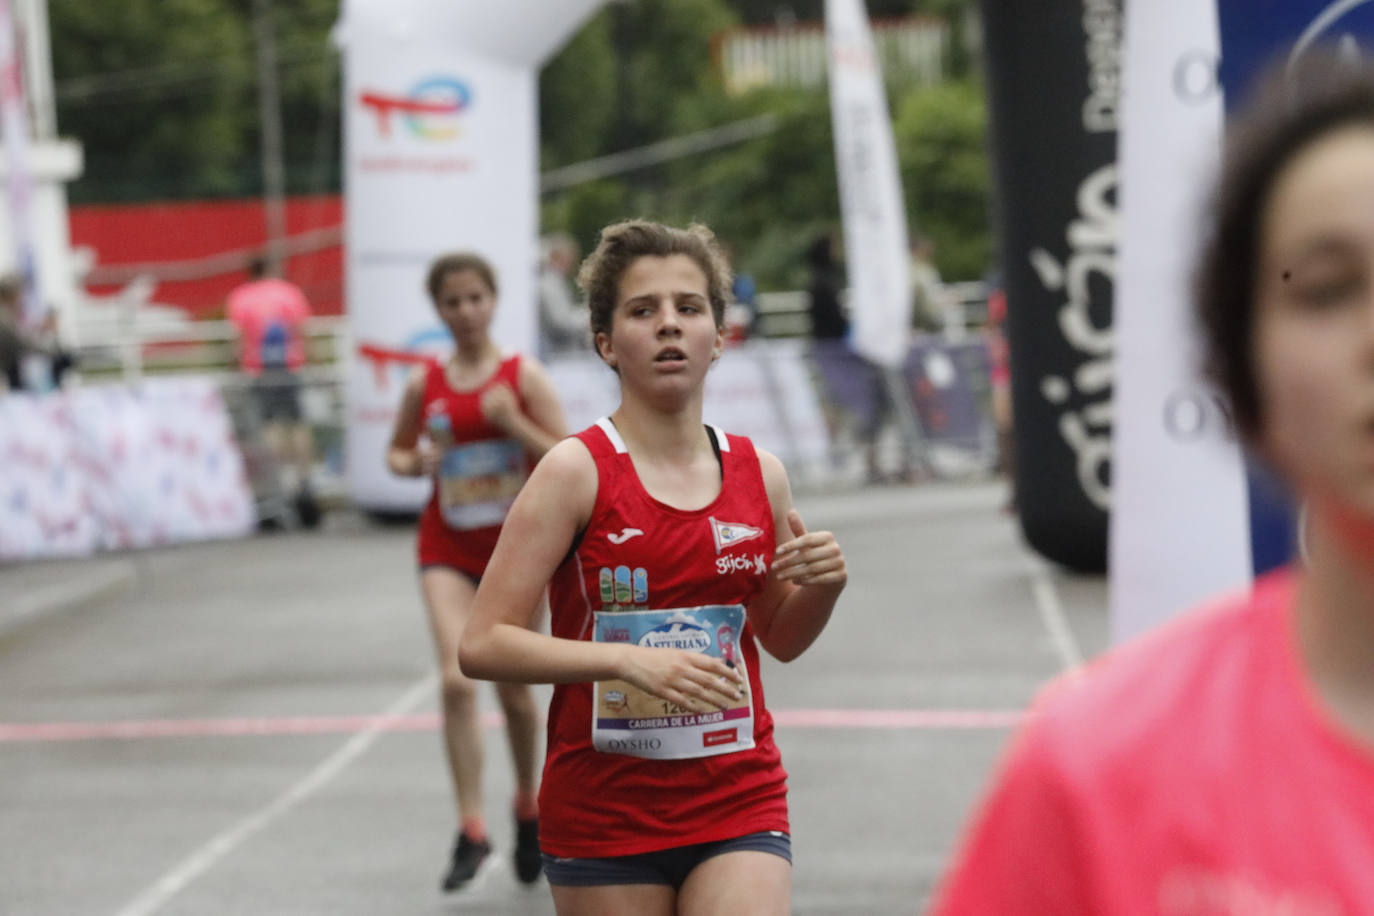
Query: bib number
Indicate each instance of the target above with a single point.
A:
(478, 481)
(627, 720)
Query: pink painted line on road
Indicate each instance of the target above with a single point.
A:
(874, 719)
(183, 728)
(898, 719)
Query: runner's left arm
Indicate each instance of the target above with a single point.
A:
(806, 579)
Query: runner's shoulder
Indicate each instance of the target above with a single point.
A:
(569, 462)
(566, 476)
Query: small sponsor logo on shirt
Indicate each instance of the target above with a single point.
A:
(728, 534)
(756, 564)
(623, 536)
(724, 736)
(622, 588)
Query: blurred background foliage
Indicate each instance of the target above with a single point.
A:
(163, 96)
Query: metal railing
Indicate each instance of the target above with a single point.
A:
(787, 313)
(129, 350)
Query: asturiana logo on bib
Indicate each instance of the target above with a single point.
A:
(430, 109)
(679, 632)
(728, 534)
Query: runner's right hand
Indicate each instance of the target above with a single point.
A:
(689, 679)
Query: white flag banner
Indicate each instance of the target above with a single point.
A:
(1179, 525)
(875, 231)
(441, 154)
(14, 123)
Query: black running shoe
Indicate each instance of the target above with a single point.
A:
(528, 862)
(468, 856)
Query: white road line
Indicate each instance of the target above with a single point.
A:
(156, 895)
(1052, 615)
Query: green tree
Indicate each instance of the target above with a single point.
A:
(578, 96)
(635, 74)
(941, 135)
(767, 197)
(163, 96)
(664, 51)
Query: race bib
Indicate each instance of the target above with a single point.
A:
(478, 481)
(627, 720)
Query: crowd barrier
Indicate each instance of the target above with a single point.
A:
(173, 459)
(113, 467)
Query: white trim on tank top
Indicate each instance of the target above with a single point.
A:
(613, 434)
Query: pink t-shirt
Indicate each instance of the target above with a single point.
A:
(269, 314)
(1191, 772)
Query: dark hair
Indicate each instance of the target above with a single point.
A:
(454, 262)
(622, 243)
(257, 266)
(1293, 106)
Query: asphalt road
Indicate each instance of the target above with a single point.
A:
(249, 727)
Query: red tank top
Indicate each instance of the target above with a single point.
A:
(595, 804)
(481, 471)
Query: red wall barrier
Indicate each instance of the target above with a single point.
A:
(165, 233)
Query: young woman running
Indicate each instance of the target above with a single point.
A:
(1225, 763)
(672, 552)
(474, 424)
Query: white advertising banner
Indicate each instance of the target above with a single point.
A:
(875, 231)
(440, 150)
(1179, 524)
(113, 468)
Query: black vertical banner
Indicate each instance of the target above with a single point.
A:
(1053, 71)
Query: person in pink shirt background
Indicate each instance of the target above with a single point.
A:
(1224, 764)
(269, 314)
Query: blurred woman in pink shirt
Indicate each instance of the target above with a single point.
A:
(1225, 763)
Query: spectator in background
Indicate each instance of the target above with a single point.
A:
(849, 380)
(562, 319)
(742, 314)
(828, 321)
(32, 359)
(269, 314)
(830, 354)
(999, 379)
(929, 301)
(60, 360)
(12, 337)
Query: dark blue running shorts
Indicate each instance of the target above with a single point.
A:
(664, 866)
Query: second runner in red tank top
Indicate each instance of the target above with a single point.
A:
(481, 471)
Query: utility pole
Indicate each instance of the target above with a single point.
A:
(269, 118)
